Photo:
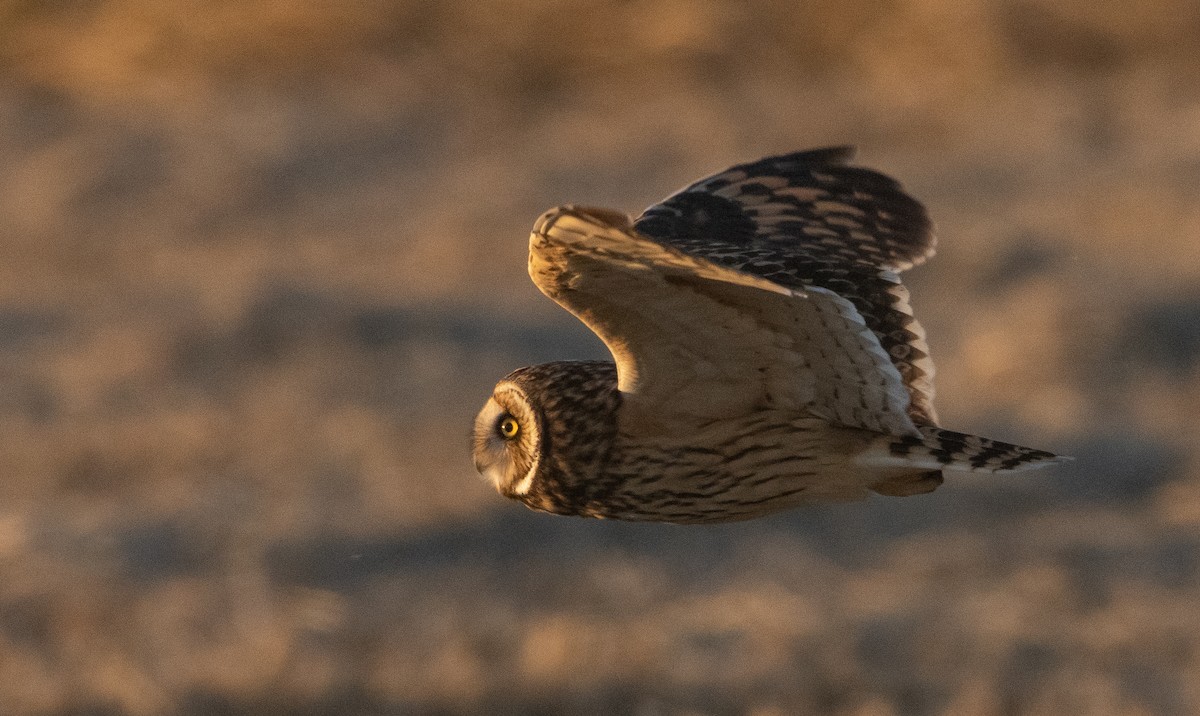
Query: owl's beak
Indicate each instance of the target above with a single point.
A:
(492, 473)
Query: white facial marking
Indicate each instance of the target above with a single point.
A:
(522, 487)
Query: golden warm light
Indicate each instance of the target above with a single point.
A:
(261, 262)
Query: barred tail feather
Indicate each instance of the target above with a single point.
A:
(940, 449)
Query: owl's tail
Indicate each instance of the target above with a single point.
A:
(940, 449)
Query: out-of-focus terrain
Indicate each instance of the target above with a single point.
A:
(261, 262)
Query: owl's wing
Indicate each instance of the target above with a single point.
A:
(696, 340)
(805, 221)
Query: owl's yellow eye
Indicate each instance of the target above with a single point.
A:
(508, 427)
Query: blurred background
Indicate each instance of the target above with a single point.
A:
(261, 263)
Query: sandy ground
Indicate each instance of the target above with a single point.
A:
(262, 262)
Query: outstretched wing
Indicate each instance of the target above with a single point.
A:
(806, 220)
(698, 341)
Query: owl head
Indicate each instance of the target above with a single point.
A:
(546, 430)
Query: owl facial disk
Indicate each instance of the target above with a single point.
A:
(505, 442)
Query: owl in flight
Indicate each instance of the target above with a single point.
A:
(766, 355)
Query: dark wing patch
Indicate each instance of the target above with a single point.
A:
(837, 212)
(807, 219)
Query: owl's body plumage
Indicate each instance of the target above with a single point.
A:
(766, 354)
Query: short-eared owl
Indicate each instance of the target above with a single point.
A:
(766, 354)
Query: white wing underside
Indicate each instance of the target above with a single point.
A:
(695, 341)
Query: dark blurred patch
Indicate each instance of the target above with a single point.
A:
(337, 560)
(1026, 668)
(21, 393)
(516, 539)
(503, 541)
(1163, 692)
(354, 699)
(97, 708)
(323, 160)
(19, 328)
(886, 641)
(1114, 468)
(282, 320)
(26, 621)
(42, 114)
(163, 550)
(1044, 36)
(1185, 173)
(381, 328)
(287, 321)
(133, 163)
(20, 10)
(273, 327)
(32, 399)
(966, 183)
(1095, 570)
(100, 472)
(1023, 257)
(1164, 335)
(855, 534)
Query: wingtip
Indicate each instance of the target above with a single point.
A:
(545, 222)
(1037, 464)
(588, 214)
